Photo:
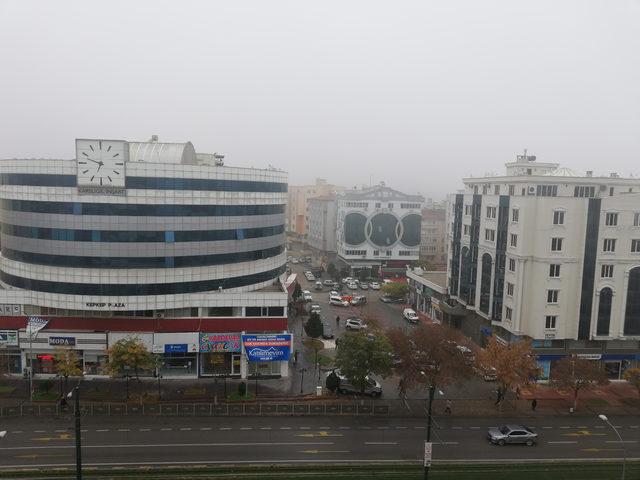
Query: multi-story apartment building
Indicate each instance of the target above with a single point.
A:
(378, 227)
(547, 254)
(321, 224)
(433, 237)
(144, 239)
(297, 198)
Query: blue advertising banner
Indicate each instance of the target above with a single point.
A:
(267, 348)
(175, 348)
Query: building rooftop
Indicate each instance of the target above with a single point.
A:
(433, 279)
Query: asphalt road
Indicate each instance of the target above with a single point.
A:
(117, 442)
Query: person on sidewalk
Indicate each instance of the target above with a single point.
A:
(295, 357)
(534, 404)
(338, 322)
(447, 408)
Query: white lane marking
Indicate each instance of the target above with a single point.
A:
(166, 429)
(401, 428)
(547, 428)
(445, 443)
(246, 428)
(39, 431)
(564, 441)
(618, 441)
(380, 443)
(582, 427)
(564, 427)
(265, 428)
(186, 429)
(224, 428)
(304, 428)
(103, 430)
(618, 426)
(205, 428)
(474, 428)
(59, 431)
(17, 431)
(83, 431)
(285, 428)
(172, 445)
(344, 428)
(124, 430)
(634, 426)
(145, 430)
(383, 428)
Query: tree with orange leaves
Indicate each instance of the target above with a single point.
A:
(514, 364)
(575, 374)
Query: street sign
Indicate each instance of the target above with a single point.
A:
(428, 448)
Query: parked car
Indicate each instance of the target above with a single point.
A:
(374, 286)
(371, 388)
(347, 280)
(488, 374)
(410, 315)
(358, 300)
(352, 285)
(364, 286)
(354, 323)
(294, 260)
(336, 286)
(512, 434)
(336, 300)
(315, 309)
(310, 276)
(469, 357)
(334, 293)
(306, 296)
(327, 331)
(328, 283)
(318, 286)
(388, 299)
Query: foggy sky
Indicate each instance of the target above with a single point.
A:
(417, 94)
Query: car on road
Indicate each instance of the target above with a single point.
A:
(327, 331)
(358, 300)
(328, 283)
(352, 286)
(372, 386)
(364, 286)
(410, 315)
(310, 276)
(315, 309)
(512, 434)
(354, 323)
(388, 299)
(347, 280)
(318, 286)
(334, 293)
(306, 296)
(374, 286)
(295, 261)
(338, 301)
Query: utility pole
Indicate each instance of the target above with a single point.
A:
(78, 435)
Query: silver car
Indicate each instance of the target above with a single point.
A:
(512, 434)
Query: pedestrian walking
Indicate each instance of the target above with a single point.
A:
(534, 404)
(498, 397)
(517, 393)
(447, 408)
(295, 357)
(338, 321)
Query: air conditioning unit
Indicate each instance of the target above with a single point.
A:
(159, 314)
(532, 190)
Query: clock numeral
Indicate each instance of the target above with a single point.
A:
(116, 155)
(85, 171)
(92, 178)
(91, 147)
(109, 178)
(116, 172)
(85, 154)
(121, 163)
(100, 180)
(109, 148)
(82, 163)
(100, 143)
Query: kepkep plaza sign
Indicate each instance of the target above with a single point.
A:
(267, 348)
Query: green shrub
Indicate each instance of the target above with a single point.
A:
(242, 389)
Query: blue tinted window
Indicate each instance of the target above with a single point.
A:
(95, 235)
(169, 237)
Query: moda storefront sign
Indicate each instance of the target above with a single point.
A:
(220, 342)
(62, 341)
(267, 348)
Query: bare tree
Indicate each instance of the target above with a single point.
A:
(514, 364)
(576, 374)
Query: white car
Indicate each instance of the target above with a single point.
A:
(374, 286)
(336, 300)
(334, 293)
(364, 286)
(355, 324)
(315, 309)
(352, 286)
(410, 315)
(306, 296)
(328, 283)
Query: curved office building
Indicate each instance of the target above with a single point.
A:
(148, 229)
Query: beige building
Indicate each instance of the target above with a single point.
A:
(296, 222)
(433, 237)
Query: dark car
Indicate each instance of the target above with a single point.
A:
(327, 331)
(512, 434)
(358, 300)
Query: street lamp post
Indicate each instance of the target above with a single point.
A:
(302, 370)
(159, 389)
(432, 392)
(76, 392)
(624, 449)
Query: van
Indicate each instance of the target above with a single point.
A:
(372, 387)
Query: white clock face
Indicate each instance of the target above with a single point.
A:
(101, 162)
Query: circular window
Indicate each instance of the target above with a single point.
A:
(354, 228)
(411, 230)
(383, 230)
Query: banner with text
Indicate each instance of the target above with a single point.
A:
(267, 348)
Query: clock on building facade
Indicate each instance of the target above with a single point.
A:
(101, 166)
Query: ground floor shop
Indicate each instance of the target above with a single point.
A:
(613, 364)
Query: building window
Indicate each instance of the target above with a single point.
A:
(467, 229)
(547, 190)
(508, 313)
(585, 192)
(632, 310)
(514, 240)
(390, 206)
(490, 235)
(407, 253)
(635, 245)
(485, 189)
(355, 252)
(515, 215)
(606, 271)
(378, 205)
(512, 189)
(512, 265)
(609, 245)
(491, 212)
(388, 253)
(636, 219)
(554, 270)
(611, 191)
(604, 311)
(376, 253)
(550, 321)
(558, 217)
(496, 189)
(467, 209)
(611, 219)
(556, 244)
(510, 289)
(552, 296)
(475, 189)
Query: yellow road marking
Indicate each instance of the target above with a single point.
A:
(602, 449)
(319, 434)
(62, 436)
(584, 433)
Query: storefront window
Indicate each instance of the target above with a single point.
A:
(10, 362)
(95, 364)
(178, 364)
(264, 368)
